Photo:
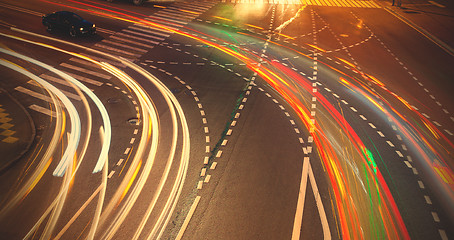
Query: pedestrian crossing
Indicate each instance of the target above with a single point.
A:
(325, 3)
(130, 43)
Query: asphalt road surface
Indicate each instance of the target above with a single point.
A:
(314, 119)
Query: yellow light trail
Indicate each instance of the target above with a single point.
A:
(253, 26)
(222, 18)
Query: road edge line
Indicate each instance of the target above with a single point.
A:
(188, 218)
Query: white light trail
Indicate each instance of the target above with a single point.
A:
(105, 116)
(74, 116)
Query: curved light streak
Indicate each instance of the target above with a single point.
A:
(105, 116)
(323, 141)
(72, 142)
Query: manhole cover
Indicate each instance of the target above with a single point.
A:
(175, 90)
(410, 11)
(113, 100)
(134, 121)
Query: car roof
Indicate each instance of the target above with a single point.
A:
(67, 13)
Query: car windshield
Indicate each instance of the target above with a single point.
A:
(75, 18)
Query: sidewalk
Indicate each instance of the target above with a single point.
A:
(17, 130)
(430, 18)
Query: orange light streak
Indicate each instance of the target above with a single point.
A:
(36, 180)
(253, 26)
(131, 181)
(287, 36)
(318, 48)
(222, 18)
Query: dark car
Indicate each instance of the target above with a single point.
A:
(136, 2)
(68, 22)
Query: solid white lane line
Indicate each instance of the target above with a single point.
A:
(321, 209)
(301, 198)
(188, 218)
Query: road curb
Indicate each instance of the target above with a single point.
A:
(29, 141)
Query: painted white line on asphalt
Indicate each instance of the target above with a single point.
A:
(68, 94)
(111, 174)
(207, 179)
(125, 46)
(301, 198)
(443, 234)
(408, 164)
(120, 161)
(128, 36)
(218, 154)
(213, 166)
(42, 110)
(114, 49)
(33, 94)
(97, 74)
(143, 35)
(321, 209)
(435, 216)
(421, 184)
(147, 30)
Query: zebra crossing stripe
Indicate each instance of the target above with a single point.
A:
(33, 93)
(170, 20)
(97, 74)
(327, 3)
(143, 35)
(137, 38)
(105, 60)
(125, 46)
(68, 94)
(133, 42)
(166, 23)
(42, 110)
(147, 30)
(174, 15)
(84, 79)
